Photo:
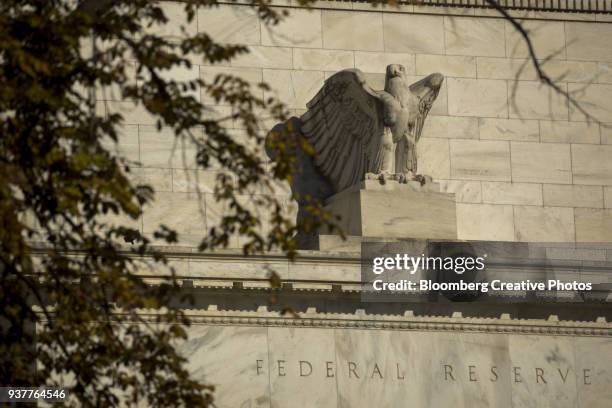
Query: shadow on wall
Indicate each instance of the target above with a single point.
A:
(307, 183)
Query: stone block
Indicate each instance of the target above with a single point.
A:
(541, 162)
(360, 376)
(480, 160)
(477, 97)
(183, 212)
(474, 36)
(606, 133)
(449, 66)
(587, 41)
(395, 210)
(595, 99)
(544, 224)
(302, 28)
(160, 148)
(571, 71)
(127, 145)
(551, 355)
(485, 222)
(376, 62)
(509, 129)
(593, 225)
(433, 158)
(569, 132)
(251, 75)
(561, 195)
(505, 68)
(533, 100)
(220, 113)
(309, 361)
(323, 60)
(184, 75)
(342, 271)
(294, 88)
(177, 22)
(265, 57)
(218, 355)
(133, 114)
(452, 127)
(415, 34)
(547, 37)
(232, 24)
(522, 69)
(592, 164)
(159, 179)
(511, 193)
(237, 268)
(607, 197)
(465, 191)
(345, 30)
(194, 181)
(594, 391)
(112, 92)
(604, 72)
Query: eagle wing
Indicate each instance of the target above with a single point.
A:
(426, 90)
(344, 123)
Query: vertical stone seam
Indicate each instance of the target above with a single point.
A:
(443, 36)
(575, 229)
(573, 340)
(449, 158)
(322, 29)
(382, 29)
(572, 179)
(505, 40)
(337, 368)
(571, 153)
(516, 234)
(269, 371)
(599, 126)
(508, 98)
(197, 20)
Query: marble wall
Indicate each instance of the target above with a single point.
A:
(257, 366)
(524, 164)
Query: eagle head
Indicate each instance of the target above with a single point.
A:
(395, 70)
(395, 79)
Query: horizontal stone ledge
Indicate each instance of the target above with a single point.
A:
(580, 10)
(541, 327)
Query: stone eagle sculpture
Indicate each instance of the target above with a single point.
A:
(358, 132)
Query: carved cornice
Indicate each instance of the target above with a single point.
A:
(564, 6)
(499, 326)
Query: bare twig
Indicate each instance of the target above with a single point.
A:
(542, 76)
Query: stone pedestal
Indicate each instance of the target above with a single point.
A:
(394, 210)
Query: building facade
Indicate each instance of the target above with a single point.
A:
(525, 164)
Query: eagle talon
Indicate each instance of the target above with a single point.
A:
(382, 177)
(404, 178)
(423, 179)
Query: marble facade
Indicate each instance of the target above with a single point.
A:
(255, 366)
(492, 122)
(519, 162)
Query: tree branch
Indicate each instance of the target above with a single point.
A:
(542, 76)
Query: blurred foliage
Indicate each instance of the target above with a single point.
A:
(65, 268)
